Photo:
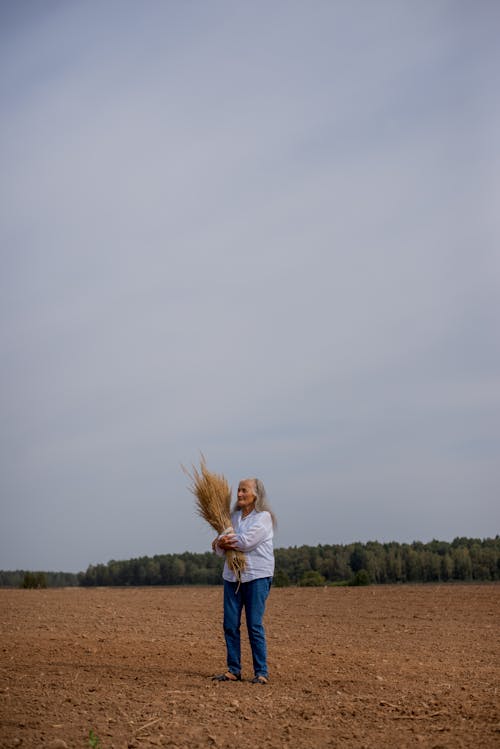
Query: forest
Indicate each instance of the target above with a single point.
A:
(462, 560)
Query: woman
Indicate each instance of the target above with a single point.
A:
(253, 525)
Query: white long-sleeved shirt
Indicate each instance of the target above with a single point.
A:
(254, 535)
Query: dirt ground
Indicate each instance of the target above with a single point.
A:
(395, 667)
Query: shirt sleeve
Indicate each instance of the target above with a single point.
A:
(259, 532)
(220, 552)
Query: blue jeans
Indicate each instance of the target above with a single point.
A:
(253, 597)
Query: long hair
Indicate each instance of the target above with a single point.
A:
(261, 501)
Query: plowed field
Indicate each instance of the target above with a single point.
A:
(407, 666)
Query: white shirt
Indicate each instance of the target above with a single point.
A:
(254, 535)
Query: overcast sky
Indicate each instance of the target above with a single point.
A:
(269, 231)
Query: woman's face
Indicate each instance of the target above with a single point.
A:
(246, 496)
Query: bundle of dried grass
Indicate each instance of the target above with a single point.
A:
(213, 502)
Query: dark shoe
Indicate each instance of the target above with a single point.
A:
(260, 680)
(228, 676)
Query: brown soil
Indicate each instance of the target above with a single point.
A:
(350, 667)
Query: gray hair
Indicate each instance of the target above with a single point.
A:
(261, 501)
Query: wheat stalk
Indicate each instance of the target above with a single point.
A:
(213, 503)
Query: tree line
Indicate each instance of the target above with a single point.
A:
(37, 579)
(462, 560)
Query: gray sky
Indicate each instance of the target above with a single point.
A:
(268, 231)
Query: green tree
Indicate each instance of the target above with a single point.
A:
(311, 578)
(361, 577)
(446, 567)
(34, 580)
(281, 579)
(462, 565)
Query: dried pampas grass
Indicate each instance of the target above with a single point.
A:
(213, 503)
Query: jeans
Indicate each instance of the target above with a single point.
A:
(252, 596)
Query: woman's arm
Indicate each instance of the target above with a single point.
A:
(224, 542)
(255, 535)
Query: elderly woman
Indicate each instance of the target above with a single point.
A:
(253, 523)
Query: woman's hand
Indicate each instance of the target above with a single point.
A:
(227, 542)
